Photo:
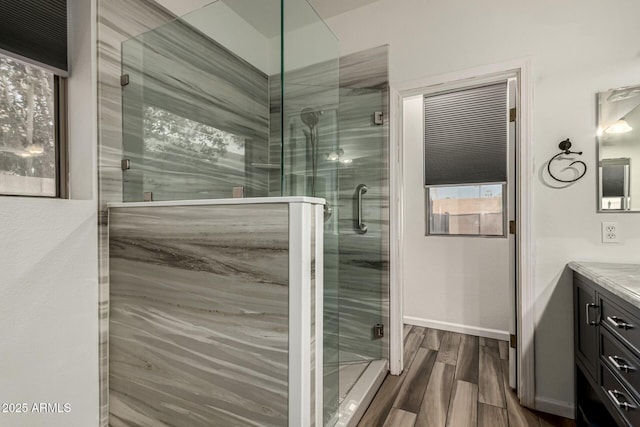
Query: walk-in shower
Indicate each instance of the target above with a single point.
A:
(235, 99)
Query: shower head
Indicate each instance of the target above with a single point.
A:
(310, 116)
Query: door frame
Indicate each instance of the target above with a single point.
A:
(525, 259)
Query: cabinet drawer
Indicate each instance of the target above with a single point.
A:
(620, 360)
(621, 323)
(620, 398)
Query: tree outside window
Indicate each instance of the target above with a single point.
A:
(27, 130)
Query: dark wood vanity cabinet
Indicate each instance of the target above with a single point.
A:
(607, 356)
(586, 325)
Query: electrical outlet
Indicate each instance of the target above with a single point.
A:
(610, 232)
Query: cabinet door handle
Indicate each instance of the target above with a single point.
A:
(613, 395)
(619, 323)
(621, 364)
(587, 307)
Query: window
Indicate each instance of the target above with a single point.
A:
(465, 161)
(32, 98)
(181, 158)
(170, 137)
(29, 143)
(472, 210)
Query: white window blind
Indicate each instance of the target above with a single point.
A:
(465, 136)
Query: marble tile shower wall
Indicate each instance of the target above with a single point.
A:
(363, 292)
(200, 315)
(207, 84)
(215, 105)
(275, 127)
(121, 20)
(346, 124)
(314, 87)
(357, 297)
(117, 21)
(175, 72)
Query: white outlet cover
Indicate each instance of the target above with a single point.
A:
(610, 232)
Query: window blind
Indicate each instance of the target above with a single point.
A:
(465, 136)
(35, 30)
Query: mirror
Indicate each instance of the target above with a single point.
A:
(619, 150)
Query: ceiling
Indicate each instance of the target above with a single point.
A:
(182, 7)
(264, 15)
(329, 8)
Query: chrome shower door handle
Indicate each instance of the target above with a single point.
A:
(361, 189)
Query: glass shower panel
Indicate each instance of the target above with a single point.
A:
(132, 129)
(196, 106)
(309, 143)
(364, 226)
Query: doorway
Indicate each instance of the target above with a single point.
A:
(503, 309)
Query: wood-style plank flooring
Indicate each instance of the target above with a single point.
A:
(452, 380)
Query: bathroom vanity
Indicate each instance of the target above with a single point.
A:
(607, 343)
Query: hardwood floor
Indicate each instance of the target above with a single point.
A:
(452, 380)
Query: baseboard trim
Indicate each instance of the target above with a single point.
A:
(555, 407)
(455, 327)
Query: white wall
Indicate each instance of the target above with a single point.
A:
(577, 47)
(467, 276)
(81, 103)
(48, 272)
(222, 24)
(225, 26)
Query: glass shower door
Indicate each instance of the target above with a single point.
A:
(364, 229)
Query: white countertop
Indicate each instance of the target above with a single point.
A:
(238, 201)
(622, 280)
